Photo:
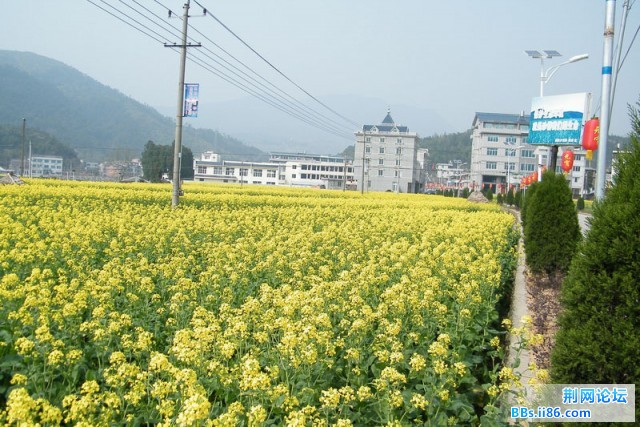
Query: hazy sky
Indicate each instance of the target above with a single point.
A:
(452, 57)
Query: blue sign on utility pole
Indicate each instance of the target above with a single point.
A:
(191, 93)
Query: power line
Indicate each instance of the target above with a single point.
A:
(122, 20)
(276, 69)
(271, 98)
(302, 105)
(297, 105)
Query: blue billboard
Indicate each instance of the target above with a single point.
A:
(558, 120)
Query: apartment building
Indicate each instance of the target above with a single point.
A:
(386, 158)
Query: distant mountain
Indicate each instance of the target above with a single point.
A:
(94, 119)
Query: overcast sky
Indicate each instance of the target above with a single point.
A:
(452, 57)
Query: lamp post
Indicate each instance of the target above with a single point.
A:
(545, 76)
(511, 150)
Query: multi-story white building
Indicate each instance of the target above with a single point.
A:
(44, 166)
(500, 155)
(291, 169)
(386, 158)
(314, 170)
(499, 150)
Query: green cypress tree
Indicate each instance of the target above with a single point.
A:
(489, 194)
(517, 199)
(528, 196)
(580, 203)
(599, 337)
(510, 197)
(551, 229)
(499, 198)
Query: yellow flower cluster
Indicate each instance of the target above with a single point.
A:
(245, 305)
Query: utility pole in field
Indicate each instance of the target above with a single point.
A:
(177, 149)
(24, 125)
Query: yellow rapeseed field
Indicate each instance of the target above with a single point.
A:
(249, 306)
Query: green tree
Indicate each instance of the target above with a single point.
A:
(499, 198)
(489, 194)
(510, 197)
(599, 336)
(580, 204)
(528, 196)
(517, 199)
(551, 229)
(158, 159)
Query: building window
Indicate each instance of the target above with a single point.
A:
(578, 157)
(396, 173)
(510, 140)
(398, 151)
(381, 139)
(492, 151)
(229, 171)
(368, 139)
(381, 150)
(367, 149)
(527, 167)
(527, 154)
(509, 166)
(492, 138)
(303, 176)
(217, 170)
(380, 172)
(257, 172)
(293, 176)
(394, 187)
(576, 168)
(294, 166)
(399, 141)
(244, 172)
(492, 165)
(510, 152)
(397, 162)
(381, 162)
(202, 169)
(271, 173)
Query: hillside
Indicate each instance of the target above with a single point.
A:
(41, 143)
(94, 119)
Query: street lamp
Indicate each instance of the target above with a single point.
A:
(545, 76)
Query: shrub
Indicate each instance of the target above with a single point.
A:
(517, 199)
(580, 204)
(489, 194)
(551, 227)
(499, 198)
(528, 195)
(599, 333)
(510, 197)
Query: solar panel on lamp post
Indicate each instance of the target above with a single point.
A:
(545, 76)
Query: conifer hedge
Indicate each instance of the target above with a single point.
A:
(599, 337)
(551, 228)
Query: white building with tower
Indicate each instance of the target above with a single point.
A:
(386, 158)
